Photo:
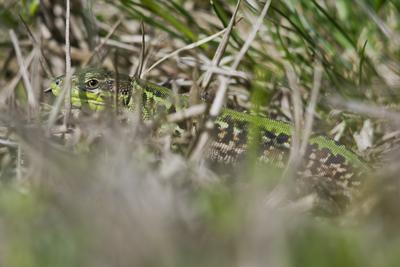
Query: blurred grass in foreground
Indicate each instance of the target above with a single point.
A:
(78, 200)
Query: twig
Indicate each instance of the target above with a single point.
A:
(142, 51)
(207, 66)
(117, 82)
(56, 109)
(19, 162)
(23, 70)
(8, 143)
(77, 54)
(35, 75)
(67, 85)
(220, 50)
(8, 89)
(219, 98)
(227, 72)
(187, 113)
(367, 109)
(103, 42)
(43, 60)
(188, 47)
(297, 110)
(139, 70)
(280, 193)
(311, 108)
(223, 86)
(209, 123)
(119, 44)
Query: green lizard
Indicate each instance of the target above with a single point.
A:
(328, 167)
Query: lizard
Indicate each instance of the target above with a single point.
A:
(328, 167)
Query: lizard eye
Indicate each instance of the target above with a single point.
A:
(92, 84)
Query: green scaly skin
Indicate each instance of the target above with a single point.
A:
(329, 169)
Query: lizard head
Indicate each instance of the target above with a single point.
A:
(94, 88)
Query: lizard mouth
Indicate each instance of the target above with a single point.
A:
(94, 101)
(88, 101)
(82, 99)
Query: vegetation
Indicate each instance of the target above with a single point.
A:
(101, 189)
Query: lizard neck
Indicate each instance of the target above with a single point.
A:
(154, 99)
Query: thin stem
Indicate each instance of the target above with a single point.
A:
(311, 108)
(67, 85)
(22, 67)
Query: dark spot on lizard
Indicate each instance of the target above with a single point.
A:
(229, 134)
(269, 134)
(338, 159)
(282, 138)
(323, 153)
(144, 98)
(110, 84)
(155, 92)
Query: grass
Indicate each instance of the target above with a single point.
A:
(93, 191)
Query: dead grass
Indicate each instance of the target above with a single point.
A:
(88, 190)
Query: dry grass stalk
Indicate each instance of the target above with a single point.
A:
(220, 50)
(23, 70)
(68, 73)
(103, 42)
(308, 122)
(187, 47)
(187, 113)
(9, 88)
(218, 102)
